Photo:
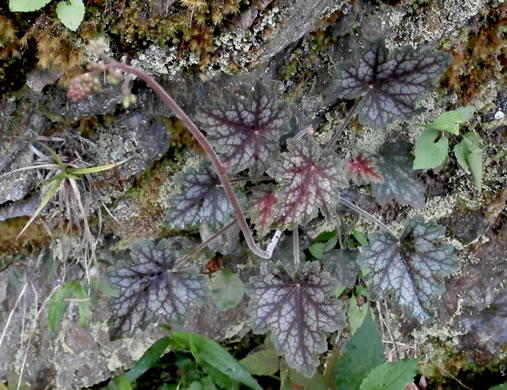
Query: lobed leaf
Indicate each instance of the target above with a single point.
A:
(363, 169)
(245, 128)
(342, 265)
(400, 182)
(294, 305)
(410, 269)
(309, 179)
(391, 83)
(261, 208)
(202, 199)
(151, 286)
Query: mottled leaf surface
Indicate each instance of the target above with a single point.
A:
(362, 169)
(261, 211)
(342, 265)
(391, 83)
(150, 286)
(400, 182)
(202, 198)
(309, 179)
(295, 306)
(245, 128)
(410, 269)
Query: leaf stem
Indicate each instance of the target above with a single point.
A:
(205, 243)
(367, 215)
(220, 167)
(295, 246)
(331, 145)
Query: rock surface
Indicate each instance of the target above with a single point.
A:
(475, 302)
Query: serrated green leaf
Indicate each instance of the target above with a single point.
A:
(227, 290)
(27, 5)
(428, 153)
(450, 121)
(83, 305)
(216, 356)
(362, 354)
(59, 304)
(263, 362)
(71, 13)
(391, 376)
(356, 314)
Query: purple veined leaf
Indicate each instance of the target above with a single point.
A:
(400, 182)
(310, 179)
(391, 83)
(363, 169)
(410, 269)
(152, 286)
(295, 306)
(245, 128)
(261, 210)
(202, 199)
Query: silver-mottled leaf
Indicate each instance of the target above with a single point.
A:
(261, 208)
(202, 198)
(400, 182)
(410, 269)
(152, 286)
(342, 265)
(295, 306)
(310, 179)
(245, 128)
(391, 83)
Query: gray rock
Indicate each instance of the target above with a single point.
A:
(299, 17)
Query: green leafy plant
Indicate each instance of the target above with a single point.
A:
(362, 365)
(68, 178)
(432, 146)
(288, 185)
(209, 366)
(70, 12)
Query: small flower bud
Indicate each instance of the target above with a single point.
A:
(114, 77)
(81, 86)
(128, 100)
(98, 46)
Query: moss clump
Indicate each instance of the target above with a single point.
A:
(33, 240)
(479, 59)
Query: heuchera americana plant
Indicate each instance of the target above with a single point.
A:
(287, 185)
